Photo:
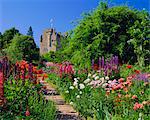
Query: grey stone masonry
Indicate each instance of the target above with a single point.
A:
(50, 41)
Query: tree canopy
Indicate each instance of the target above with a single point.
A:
(107, 31)
(22, 47)
(17, 46)
(7, 36)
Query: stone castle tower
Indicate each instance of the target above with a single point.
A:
(50, 41)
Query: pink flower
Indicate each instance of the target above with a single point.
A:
(137, 106)
(27, 113)
(121, 80)
(134, 97)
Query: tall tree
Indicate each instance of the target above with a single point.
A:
(30, 32)
(22, 47)
(7, 37)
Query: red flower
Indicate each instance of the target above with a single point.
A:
(27, 113)
(137, 71)
(129, 66)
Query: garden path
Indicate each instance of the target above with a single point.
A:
(64, 110)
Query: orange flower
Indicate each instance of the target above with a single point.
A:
(45, 75)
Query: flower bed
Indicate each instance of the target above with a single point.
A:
(99, 97)
(23, 94)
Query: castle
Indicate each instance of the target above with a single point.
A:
(50, 41)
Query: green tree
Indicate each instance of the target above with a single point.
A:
(105, 32)
(140, 33)
(7, 36)
(30, 32)
(23, 47)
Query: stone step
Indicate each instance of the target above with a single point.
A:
(57, 99)
(50, 92)
(65, 109)
(67, 116)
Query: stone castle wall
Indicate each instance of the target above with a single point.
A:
(50, 41)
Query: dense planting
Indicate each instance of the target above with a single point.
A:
(21, 94)
(98, 96)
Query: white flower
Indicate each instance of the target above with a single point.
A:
(140, 114)
(94, 75)
(106, 78)
(87, 81)
(75, 79)
(109, 81)
(102, 79)
(97, 77)
(78, 96)
(66, 91)
(75, 83)
(71, 87)
(104, 85)
(81, 86)
(89, 75)
(80, 92)
(71, 103)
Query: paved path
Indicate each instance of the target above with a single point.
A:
(64, 110)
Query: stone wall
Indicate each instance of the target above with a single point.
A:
(50, 41)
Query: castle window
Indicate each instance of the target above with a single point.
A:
(50, 44)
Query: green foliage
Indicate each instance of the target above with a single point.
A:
(7, 36)
(107, 31)
(22, 47)
(41, 108)
(20, 96)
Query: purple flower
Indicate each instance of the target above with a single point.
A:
(92, 63)
(103, 62)
(142, 77)
(99, 62)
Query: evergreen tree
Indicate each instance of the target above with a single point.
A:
(30, 32)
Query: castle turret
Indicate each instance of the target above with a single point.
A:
(50, 41)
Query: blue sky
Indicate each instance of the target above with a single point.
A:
(38, 13)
